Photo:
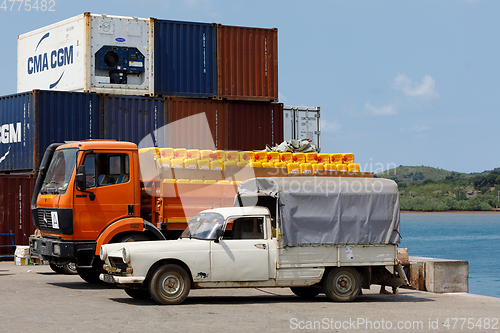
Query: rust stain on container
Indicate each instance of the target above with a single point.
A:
(192, 132)
(253, 125)
(15, 209)
(247, 63)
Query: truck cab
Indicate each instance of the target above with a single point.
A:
(87, 193)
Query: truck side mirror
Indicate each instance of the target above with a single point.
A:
(81, 179)
(218, 235)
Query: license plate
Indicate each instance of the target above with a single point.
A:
(108, 278)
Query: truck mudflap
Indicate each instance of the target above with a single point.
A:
(398, 279)
(151, 228)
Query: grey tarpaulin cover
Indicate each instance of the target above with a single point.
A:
(332, 210)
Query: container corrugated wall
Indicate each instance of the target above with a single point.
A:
(16, 126)
(130, 118)
(247, 63)
(185, 59)
(44, 117)
(192, 132)
(15, 209)
(253, 125)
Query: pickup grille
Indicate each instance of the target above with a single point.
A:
(44, 218)
(118, 263)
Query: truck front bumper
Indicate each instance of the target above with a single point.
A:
(60, 252)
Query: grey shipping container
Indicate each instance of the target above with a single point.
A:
(185, 59)
(131, 118)
(302, 122)
(30, 122)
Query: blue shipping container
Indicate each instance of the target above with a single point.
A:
(132, 118)
(185, 61)
(30, 122)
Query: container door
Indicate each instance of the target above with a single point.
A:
(243, 257)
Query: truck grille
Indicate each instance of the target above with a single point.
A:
(44, 218)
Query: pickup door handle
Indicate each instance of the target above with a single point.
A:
(260, 246)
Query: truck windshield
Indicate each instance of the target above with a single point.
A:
(59, 172)
(204, 226)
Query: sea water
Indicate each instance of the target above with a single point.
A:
(474, 237)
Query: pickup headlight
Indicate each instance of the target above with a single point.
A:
(103, 253)
(126, 255)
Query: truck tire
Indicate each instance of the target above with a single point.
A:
(57, 268)
(69, 268)
(170, 284)
(134, 238)
(91, 275)
(342, 284)
(138, 293)
(305, 292)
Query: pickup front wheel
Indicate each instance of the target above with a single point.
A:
(170, 284)
(342, 284)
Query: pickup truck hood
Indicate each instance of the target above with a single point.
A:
(143, 255)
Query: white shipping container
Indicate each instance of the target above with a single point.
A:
(302, 122)
(88, 53)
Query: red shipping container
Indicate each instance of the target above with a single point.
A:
(192, 132)
(15, 210)
(247, 63)
(253, 125)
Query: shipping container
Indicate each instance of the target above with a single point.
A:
(88, 53)
(185, 59)
(30, 122)
(253, 125)
(131, 118)
(302, 122)
(15, 209)
(247, 63)
(188, 128)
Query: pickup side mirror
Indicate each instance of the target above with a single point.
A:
(218, 235)
(81, 179)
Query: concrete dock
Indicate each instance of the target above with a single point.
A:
(34, 299)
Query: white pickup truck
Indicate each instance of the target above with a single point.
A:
(330, 234)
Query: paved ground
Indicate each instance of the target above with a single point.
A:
(34, 299)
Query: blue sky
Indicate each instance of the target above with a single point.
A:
(398, 82)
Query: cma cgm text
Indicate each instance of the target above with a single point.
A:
(58, 58)
(10, 133)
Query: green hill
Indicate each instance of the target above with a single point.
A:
(425, 188)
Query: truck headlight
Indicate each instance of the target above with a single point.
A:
(57, 249)
(103, 254)
(126, 255)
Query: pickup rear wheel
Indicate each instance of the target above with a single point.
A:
(170, 284)
(342, 284)
(305, 292)
(138, 293)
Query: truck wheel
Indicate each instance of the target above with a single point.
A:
(342, 284)
(305, 292)
(91, 275)
(69, 268)
(138, 293)
(57, 268)
(134, 238)
(170, 284)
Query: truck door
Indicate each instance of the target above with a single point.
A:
(108, 177)
(244, 254)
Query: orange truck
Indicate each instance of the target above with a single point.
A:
(95, 192)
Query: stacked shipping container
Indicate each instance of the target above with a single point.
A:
(228, 73)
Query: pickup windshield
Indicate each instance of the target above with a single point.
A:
(204, 226)
(59, 171)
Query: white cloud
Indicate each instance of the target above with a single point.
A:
(331, 127)
(388, 110)
(416, 129)
(426, 89)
